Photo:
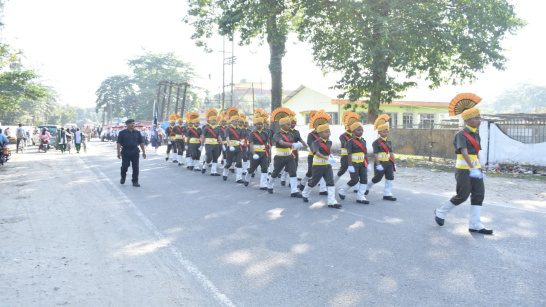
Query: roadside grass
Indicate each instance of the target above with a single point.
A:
(447, 165)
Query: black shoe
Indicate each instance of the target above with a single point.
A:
(240, 181)
(323, 193)
(438, 220)
(232, 170)
(365, 202)
(246, 183)
(215, 174)
(299, 179)
(367, 191)
(179, 164)
(340, 196)
(297, 195)
(336, 206)
(191, 168)
(136, 184)
(253, 174)
(270, 191)
(244, 174)
(175, 161)
(263, 189)
(300, 187)
(283, 183)
(167, 159)
(122, 180)
(197, 169)
(356, 191)
(482, 231)
(305, 199)
(224, 177)
(389, 198)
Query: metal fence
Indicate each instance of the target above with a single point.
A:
(528, 129)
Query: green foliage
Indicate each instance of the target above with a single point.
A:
(117, 94)
(266, 19)
(524, 98)
(375, 42)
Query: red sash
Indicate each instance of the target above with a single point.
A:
(324, 147)
(363, 150)
(210, 130)
(387, 151)
(286, 139)
(261, 141)
(237, 137)
(473, 141)
(196, 135)
(315, 136)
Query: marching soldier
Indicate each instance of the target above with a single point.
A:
(258, 143)
(284, 142)
(235, 151)
(383, 158)
(349, 119)
(212, 139)
(468, 171)
(322, 166)
(180, 132)
(295, 151)
(171, 137)
(193, 135)
(357, 164)
(312, 137)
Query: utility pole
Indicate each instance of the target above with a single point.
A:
(169, 99)
(163, 113)
(177, 97)
(224, 73)
(253, 108)
(184, 99)
(232, 64)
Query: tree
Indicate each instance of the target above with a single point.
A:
(524, 98)
(117, 96)
(150, 69)
(372, 42)
(265, 19)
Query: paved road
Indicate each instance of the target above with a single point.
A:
(244, 247)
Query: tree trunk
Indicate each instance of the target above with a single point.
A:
(277, 49)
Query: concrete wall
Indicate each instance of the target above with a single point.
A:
(503, 149)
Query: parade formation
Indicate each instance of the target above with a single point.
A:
(247, 152)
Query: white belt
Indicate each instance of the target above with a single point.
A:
(344, 150)
(463, 162)
(357, 157)
(382, 156)
(320, 160)
(234, 143)
(281, 153)
(211, 141)
(179, 136)
(259, 146)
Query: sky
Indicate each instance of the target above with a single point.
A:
(75, 44)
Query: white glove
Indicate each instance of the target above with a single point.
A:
(370, 167)
(224, 147)
(255, 157)
(379, 168)
(231, 148)
(169, 142)
(201, 148)
(476, 173)
(331, 159)
(296, 145)
(394, 165)
(186, 147)
(351, 169)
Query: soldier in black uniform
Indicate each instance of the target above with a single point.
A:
(295, 151)
(357, 164)
(179, 132)
(258, 143)
(169, 133)
(322, 166)
(212, 139)
(222, 129)
(468, 173)
(312, 137)
(235, 150)
(128, 141)
(284, 142)
(193, 137)
(383, 158)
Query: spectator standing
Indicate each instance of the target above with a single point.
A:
(21, 136)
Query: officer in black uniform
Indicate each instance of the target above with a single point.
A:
(128, 141)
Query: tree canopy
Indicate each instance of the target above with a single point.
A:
(523, 98)
(266, 19)
(380, 46)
